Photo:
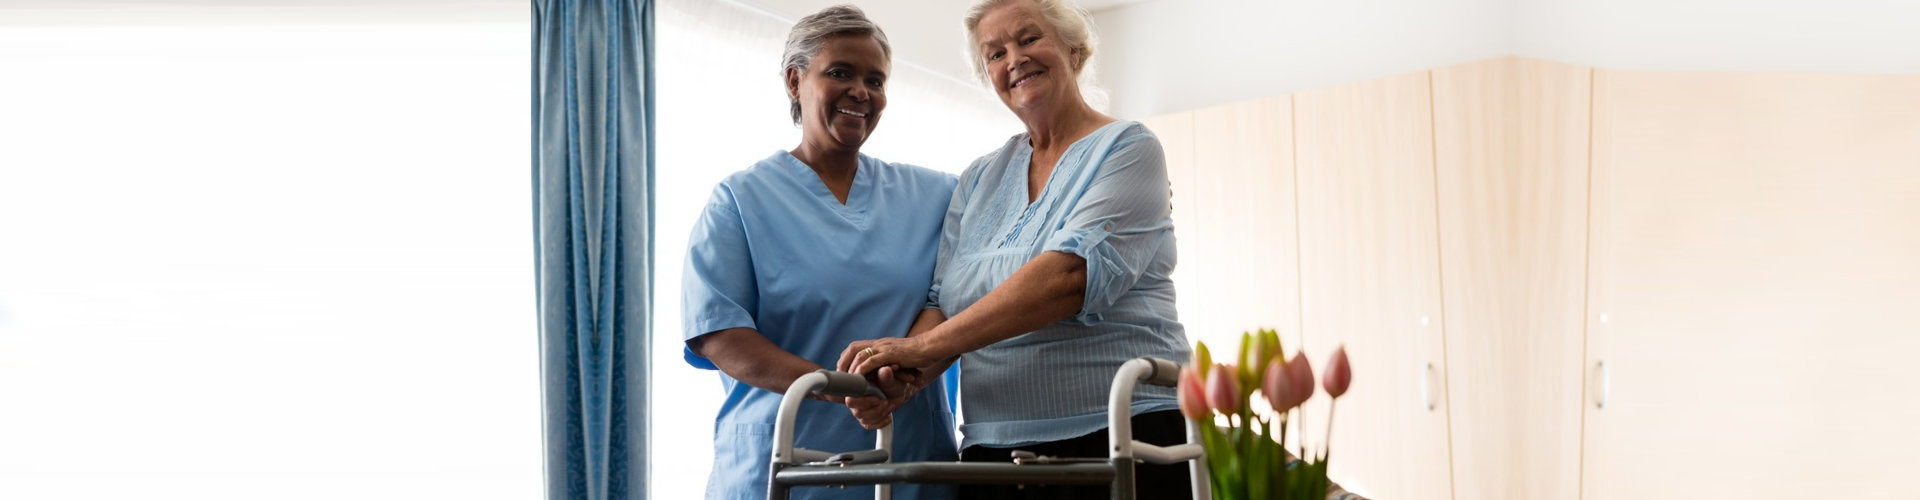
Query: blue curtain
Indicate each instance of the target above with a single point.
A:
(593, 224)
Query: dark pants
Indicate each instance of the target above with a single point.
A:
(1165, 428)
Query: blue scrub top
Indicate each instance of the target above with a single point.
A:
(776, 252)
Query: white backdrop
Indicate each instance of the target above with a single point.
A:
(247, 259)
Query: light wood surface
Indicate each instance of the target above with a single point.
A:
(1754, 286)
(1370, 276)
(1248, 246)
(1512, 154)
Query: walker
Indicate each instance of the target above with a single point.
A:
(793, 467)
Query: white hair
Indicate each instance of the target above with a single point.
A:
(1075, 27)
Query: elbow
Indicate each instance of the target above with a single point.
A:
(1070, 280)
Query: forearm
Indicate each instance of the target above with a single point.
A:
(1049, 288)
(747, 356)
(928, 319)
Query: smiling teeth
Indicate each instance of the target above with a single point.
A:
(854, 113)
(1023, 80)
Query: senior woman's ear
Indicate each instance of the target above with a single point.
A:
(793, 84)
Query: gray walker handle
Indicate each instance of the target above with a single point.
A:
(830, 383)
(1120, 441)
(867, 468)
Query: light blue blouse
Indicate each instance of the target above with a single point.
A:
(1106, 201)
(774, 251)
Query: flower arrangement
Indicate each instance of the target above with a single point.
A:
(1246, 460)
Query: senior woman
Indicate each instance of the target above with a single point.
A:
(1053, 265)
(808, 250)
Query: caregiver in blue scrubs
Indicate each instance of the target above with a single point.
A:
(807, 251)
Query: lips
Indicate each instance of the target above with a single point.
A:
(1024, 79)
(852, 113)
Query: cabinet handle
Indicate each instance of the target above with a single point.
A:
(1605, 377)
(1426, 386)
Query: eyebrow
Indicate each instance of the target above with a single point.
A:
(848, 65)
(1030, 26)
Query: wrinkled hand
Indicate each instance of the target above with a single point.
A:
(867, 356)
(899, 385)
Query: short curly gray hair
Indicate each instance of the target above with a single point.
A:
(1073, 23)
(811, 34)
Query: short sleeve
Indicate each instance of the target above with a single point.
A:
(1118, 222)
(950, 227)
(718, 291)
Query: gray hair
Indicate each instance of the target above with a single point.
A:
(811, 34)
(1073, 23)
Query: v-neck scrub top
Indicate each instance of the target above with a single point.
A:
(1106, 201)
(775, 251)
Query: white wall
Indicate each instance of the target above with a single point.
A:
(1834, 36)
(1171, 55)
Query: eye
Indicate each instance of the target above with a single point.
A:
(837, 73)
(1029, 40)
(876, 82)
(995, 56)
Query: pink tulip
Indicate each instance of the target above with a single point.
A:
(1278, 388)
(1339, 374)
(1223, 391)
(1193, 403)
(1300, 374)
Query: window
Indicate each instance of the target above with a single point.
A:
(288, 258)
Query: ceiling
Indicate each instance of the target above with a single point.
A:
(924, 32)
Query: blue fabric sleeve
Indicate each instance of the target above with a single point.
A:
(717, 286)
(950, 227)
(1118, 222)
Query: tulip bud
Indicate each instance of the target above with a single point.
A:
(1339, 374)
(1223, 390)
(1274, 348)
(1300, 375)
(1202, 360)
(1247, 364)
(1278, 389)
(1255, 359)
(1193, 401)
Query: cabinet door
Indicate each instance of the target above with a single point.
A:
(1511, 149)
(1245, 270)
(1756, 276)
(1370, 279)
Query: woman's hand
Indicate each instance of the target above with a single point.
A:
(875, 412)
(868, 356)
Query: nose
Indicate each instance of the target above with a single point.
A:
(859, 93)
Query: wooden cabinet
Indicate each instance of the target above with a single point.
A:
(1370, 279)
(1247, 254)
(1559, 282)
(1511, 154)
(1754, 283)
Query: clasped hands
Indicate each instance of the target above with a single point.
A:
(898, 366)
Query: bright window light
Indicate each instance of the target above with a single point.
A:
(241, 260)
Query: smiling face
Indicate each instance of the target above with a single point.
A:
(1026, 60)
(841, 92)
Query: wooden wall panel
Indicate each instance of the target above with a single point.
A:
(1370, 277)
(1755, 276)
(1511, 142)
(1243, 169)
